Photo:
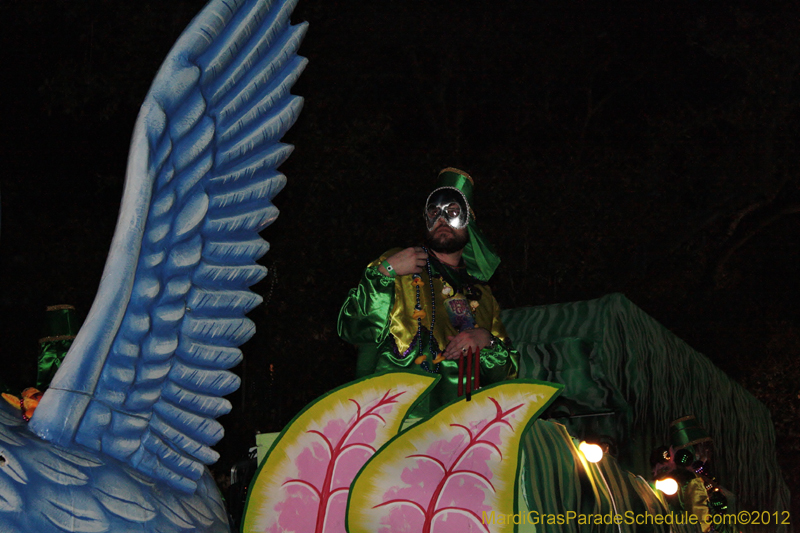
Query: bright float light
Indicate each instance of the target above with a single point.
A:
(667, 485)
(592, 452)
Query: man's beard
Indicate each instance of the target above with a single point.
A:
(447, 243)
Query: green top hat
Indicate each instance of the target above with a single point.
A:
(686, 431)
(60, 323)
(60, 328)
(457, 179)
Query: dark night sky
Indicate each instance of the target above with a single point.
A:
(638, 147)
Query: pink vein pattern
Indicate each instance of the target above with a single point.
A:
(446, 488)
(316, 499)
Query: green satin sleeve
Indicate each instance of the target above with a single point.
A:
(51, 355)
(502, 355)
(364, 317)
(499, 362)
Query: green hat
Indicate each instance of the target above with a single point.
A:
(457, 179)
(479, 256)
(60, 323)
(686, 431)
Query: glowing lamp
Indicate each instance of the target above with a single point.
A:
(592, 452)
(667, 485)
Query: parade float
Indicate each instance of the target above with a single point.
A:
(121, 439)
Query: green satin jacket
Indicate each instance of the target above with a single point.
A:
(378, 317)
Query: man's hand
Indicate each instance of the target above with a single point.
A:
(472, 338)
(408, 261)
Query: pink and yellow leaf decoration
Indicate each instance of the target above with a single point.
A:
(453, 472)
(304, 483)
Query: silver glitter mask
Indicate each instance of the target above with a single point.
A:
(447, 203)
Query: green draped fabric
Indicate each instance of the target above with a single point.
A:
(557, 480)
(479, 256)
(628, 377)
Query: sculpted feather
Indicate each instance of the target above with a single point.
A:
(129, 419)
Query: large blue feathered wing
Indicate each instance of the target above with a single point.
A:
(145, 377)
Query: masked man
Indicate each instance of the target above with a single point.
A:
(423, 308)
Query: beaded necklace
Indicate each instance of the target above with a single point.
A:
(418, 307)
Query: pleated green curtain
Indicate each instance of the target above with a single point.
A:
(627, 377)
(557, 481)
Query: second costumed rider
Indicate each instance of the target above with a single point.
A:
(422, 308)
